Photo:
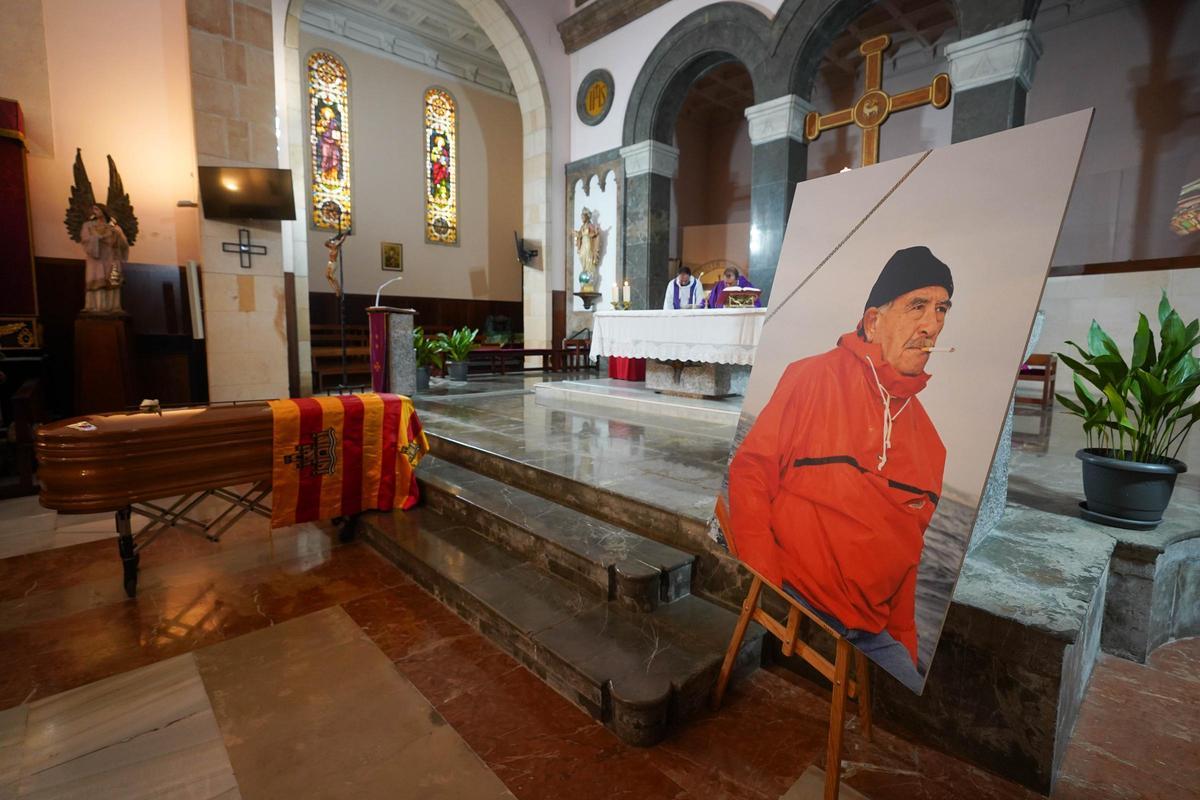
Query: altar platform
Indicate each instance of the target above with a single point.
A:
(1037, 600)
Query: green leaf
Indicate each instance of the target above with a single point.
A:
(1082, 369)
(1100, 342)
(1085, 397)
(1164, 308)
(1070, 404)
(1174, 340)
(1118, 408)
(1143, 341)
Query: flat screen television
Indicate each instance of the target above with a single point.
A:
(246, 193)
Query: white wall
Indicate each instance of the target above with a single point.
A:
(1103, 61)
(539, 20)
(118, 83)
(603, 207)
(387, 183)
(623, 53)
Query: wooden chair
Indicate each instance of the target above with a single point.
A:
(1041, 368)
(576, 355)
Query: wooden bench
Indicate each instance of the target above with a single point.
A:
(1042, 368)
(498, 357)
(327, 355)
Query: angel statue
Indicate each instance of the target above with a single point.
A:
(587, 245)
(106, 231)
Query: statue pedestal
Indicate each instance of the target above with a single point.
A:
(104, 376)
(393, 360)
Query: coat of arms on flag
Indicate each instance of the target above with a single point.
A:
(336, 456)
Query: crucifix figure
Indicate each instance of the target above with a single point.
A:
(875, 105)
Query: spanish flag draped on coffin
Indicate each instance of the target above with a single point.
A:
(336, 456)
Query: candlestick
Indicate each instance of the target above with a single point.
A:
(627, 294)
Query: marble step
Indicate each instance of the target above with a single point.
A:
(635, 571)
(656, 522)
(639, 672)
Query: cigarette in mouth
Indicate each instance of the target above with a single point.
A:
(938, 349)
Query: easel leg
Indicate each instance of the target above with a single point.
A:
(735, 643)
(833, 753)
(862, 677)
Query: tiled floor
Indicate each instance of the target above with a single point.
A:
(206, 649)
(287, 664)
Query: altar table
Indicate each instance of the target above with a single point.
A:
(694, 352)
(711, 336)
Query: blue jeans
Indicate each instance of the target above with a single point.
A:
(880, 647)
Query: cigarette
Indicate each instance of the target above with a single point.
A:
(938, 349)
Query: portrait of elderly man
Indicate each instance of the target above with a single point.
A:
(833, 487)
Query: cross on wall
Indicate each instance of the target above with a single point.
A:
(875, 105)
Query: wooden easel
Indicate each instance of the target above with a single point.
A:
(788, 633)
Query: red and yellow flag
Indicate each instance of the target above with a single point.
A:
(336, 456)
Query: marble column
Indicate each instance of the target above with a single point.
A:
(991, 73)
(649, 168)
(779, 161)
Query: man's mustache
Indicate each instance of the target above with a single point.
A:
(920, 343)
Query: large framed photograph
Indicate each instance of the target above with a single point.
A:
(897, 324)
(391, 256)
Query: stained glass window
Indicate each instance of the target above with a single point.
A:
(329, 140)
(441, 168)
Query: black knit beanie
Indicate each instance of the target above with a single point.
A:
(908, 269)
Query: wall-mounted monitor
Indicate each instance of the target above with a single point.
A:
(246, 193)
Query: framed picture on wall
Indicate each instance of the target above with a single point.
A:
(391, 256)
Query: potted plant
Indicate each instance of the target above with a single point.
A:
(457, 347)
(428, 354)
(1136, 415)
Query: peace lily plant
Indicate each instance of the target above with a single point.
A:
(458, 346)
(1136, 415)
(428, 354)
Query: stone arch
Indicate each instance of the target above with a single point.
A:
(700, 41)
(518, 56)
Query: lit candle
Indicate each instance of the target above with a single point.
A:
(627, 293)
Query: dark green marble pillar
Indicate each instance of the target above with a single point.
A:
(649, 169)
(779, 161)
(777, 167)
(991, 74)
(988, 109)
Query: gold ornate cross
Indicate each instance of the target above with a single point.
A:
(875, 105)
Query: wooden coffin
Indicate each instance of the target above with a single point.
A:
(113, 460)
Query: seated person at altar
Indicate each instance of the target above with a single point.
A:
(684, 291)
(730, 278)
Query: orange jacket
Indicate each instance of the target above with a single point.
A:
(810, 504)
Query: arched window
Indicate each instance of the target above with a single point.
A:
(441, 168)
(329, 140)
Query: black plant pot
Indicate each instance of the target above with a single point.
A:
(458, 370)
(423, 379)
(1126, 494)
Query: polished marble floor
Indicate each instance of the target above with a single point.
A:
(288, 664)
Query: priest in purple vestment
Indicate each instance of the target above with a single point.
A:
(731, 277)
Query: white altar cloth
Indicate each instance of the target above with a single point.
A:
(713, 336)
